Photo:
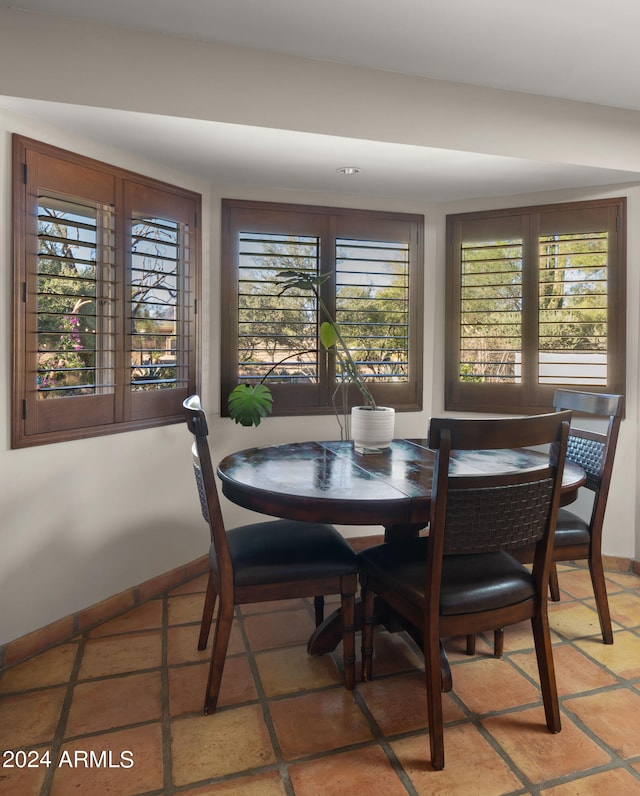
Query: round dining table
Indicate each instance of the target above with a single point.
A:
(331, 482)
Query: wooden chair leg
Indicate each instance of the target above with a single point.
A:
(218, 656)
(348, 585)
(446, 679)
(207, 612)
(471, 644)
(433, 676)
(596, 571)
(318, 605)
(554, 586)
(368, 618)
(546, 671)
(498, 642)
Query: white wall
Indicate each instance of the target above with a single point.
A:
(83, 520)
(201, 80)
(80, 521)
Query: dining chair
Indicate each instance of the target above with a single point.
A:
(264, 561)
(462, 578)
(577, 538)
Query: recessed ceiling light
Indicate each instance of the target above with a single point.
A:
(348, 170)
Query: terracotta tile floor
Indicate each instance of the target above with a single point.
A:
(130, 692)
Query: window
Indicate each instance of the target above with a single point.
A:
(535, 300)
(105, 281)
(374, 260)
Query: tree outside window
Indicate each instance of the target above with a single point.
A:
(535, 301)
(373, 265)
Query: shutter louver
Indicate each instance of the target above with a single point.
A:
(372, 306)
(160, 339)
(271, 326)
(75, 299)
(368, 268)
(490, 311)
(536, 300)
(573, 309)
(106, 271)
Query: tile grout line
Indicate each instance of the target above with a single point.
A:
(263, 701)
(615, 761)
(382, 741)
(165, 721)
(58, 737)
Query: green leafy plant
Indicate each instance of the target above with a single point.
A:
(249, 403)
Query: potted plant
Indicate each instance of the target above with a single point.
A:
(371, 425)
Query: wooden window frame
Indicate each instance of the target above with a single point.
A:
(42, 169)
(328, 223)
(531, 396)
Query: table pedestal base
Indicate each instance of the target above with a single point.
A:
(328, 635)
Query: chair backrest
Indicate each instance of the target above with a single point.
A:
(483, 513)
(207, 490)
(593, 451)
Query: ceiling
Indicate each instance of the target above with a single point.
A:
(583, 50)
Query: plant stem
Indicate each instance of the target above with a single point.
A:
(346, 359)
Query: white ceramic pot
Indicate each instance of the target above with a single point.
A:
(372, 429)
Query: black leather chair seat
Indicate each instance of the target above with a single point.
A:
(470, 583)
(571, 530)
(284, 550)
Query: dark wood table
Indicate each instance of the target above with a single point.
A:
(330, 482)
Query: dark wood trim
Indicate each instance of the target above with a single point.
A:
(40, 167)
(529, 396)
(326, 223)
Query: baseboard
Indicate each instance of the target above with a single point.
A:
(69, 626)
